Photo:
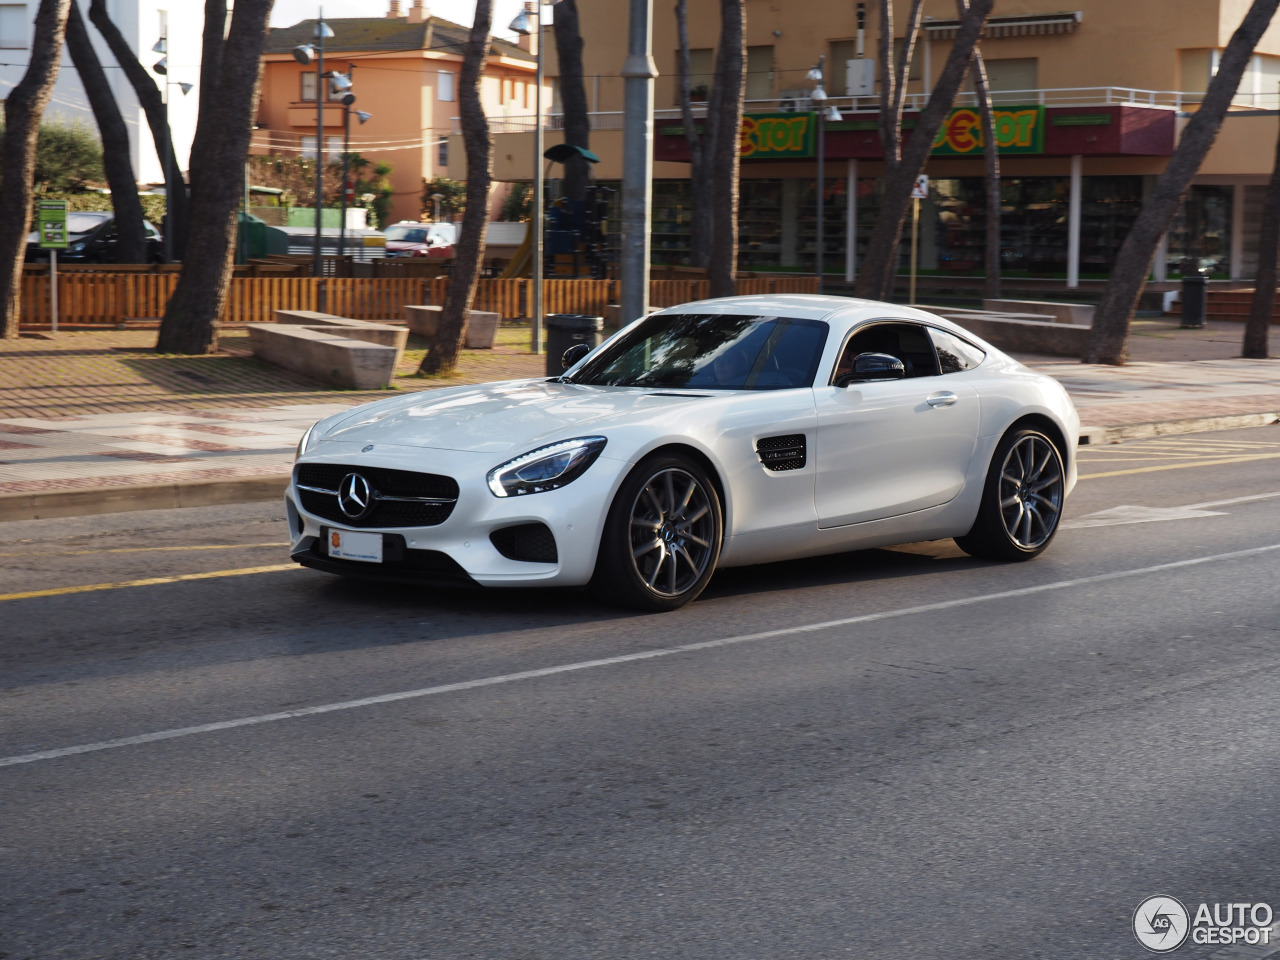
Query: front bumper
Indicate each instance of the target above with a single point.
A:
(460, 548)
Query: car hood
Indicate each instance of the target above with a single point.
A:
(508, 417)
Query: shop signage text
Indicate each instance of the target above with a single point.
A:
(766, 136)
(1018, 130)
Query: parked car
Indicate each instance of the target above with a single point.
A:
(91, 236)
(408, 238)
(728, 432)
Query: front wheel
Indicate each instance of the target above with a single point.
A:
(1021, 501)
(662, 536)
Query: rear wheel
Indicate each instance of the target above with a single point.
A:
(1021, 501)
(662, 536)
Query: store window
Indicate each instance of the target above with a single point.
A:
(759, 73)
(1201, 231)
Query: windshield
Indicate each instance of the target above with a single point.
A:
(407, 234)
(84, 222)
(710, 352)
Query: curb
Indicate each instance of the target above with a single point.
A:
(1092, 436)
(165, 496)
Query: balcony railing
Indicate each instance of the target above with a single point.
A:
(1049, 97)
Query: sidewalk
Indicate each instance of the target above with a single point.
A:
(94, 421)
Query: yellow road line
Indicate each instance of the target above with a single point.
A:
(205, 546)
(1179, 466)
(148, 582)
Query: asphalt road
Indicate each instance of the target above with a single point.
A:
(890, 754)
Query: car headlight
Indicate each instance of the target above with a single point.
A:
(547, 468)
(77, 247)
(303, 442)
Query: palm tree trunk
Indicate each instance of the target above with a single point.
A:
(875, 279)
(991, 161)
(152, 102)
(442, 353)
(573, 97)
(131, 244)
(23, 109)
(731, 83)
(1257, 328)
(190, 320)
(1129, 275)
(701, 148)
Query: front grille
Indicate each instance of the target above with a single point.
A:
(782, 453)
(384, 483)
(528, 542)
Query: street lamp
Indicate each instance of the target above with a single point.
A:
(524, 25)
(304, 54)
(436, 198)
(825, 113)
(364, 118)
(161, 67)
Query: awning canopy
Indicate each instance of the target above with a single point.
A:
(1038, 25)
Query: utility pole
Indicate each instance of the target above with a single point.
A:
(639, 72)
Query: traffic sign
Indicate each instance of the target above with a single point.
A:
(51, 225)
(921, 190)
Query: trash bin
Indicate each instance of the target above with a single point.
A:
(1195, 295)
(565, 330)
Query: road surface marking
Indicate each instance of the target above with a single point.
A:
(208, 546)
(1179, 466)
(173, 734)
(1132, 513)
(147, 582)
(1226, 503)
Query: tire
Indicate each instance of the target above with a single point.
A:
(662, 537)
(1021, 499)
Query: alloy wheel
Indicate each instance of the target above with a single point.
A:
(672, 532)
(1031, 491)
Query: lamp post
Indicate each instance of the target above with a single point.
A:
(342, 82)
(435, 199)
(819, 97)
(524, 26)
(161, 67)
(304, 54)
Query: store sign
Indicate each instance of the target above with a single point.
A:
(51, 224)
(770, 136)
(1018, 130)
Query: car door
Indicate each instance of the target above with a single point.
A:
(892, 447)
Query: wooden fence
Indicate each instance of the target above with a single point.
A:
(86, 298)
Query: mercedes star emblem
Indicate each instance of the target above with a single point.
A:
(355, 497)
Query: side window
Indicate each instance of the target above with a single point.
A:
(955, 355)
(907, 341)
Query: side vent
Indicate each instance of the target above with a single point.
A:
(782, 453)
(527, 542)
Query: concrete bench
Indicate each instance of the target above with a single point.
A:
(1025, 336)
(479, 333)
(351, 353)
(381, 333)
(1077, 313)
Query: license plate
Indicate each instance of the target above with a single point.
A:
(349, 545)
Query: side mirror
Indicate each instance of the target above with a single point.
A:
(873, 366)
(574, 354)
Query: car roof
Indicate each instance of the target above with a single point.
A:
(840, 312)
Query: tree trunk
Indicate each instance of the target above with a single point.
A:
(1257, 328)
(701, 149)
(131, 243)
(731, 83)
(152, 102)
(1129, 274)
(991, 160)
(573, 97)
(190, 320)
(894, 77)
(23, 109)
(875, 279)
(442, 353)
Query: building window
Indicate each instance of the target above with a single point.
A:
(760, 73)
(442, 153)
(308, 150)
(701, 70)
(13, 25)
(444, 86)
(308, 88)
(1012, 75)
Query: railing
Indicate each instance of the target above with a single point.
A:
(106, 299)
(1046, 96)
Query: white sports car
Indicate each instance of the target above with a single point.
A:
(713, 434)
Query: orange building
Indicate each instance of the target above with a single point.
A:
(404, 69)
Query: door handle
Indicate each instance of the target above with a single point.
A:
(944, 399)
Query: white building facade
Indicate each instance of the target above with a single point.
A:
(142, 22)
